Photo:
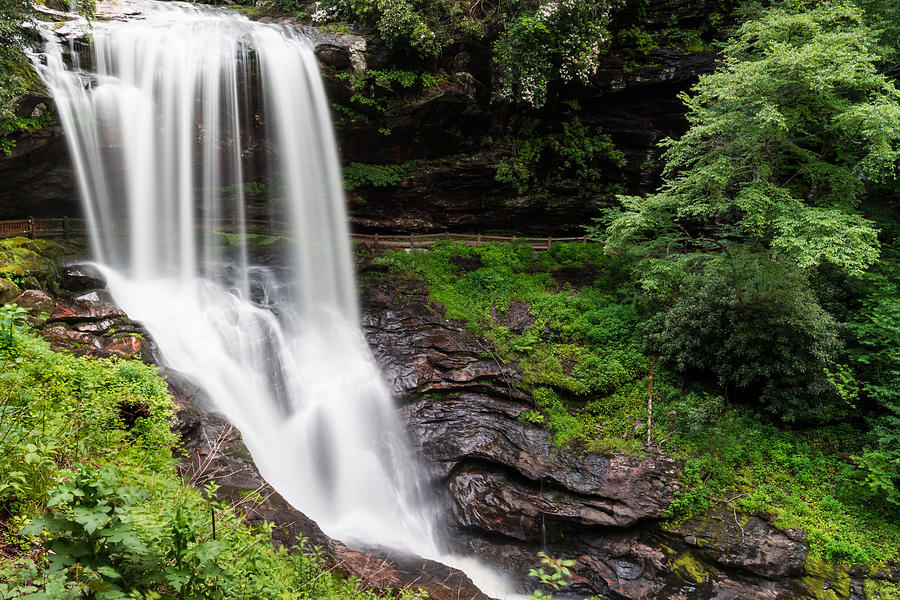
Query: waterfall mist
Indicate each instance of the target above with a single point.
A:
(157, 113)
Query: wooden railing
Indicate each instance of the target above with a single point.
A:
(66, 227)
(422, 240)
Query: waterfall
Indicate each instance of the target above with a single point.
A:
(162, 113)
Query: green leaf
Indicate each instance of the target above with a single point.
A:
(109, 572)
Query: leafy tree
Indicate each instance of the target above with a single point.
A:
(419, 27)
(783, 140)
(883, 18)
(874, 354)
(14, 14)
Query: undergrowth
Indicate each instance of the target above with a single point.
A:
(578, 340)
(570, 319)
(91, 505)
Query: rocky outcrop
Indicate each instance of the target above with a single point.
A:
(83, 318)
(8, 291)
(38, 179)
(91, 323)
(508, 492)
(456, 139)
(449, 133)
(732, 540)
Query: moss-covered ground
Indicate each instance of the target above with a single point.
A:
(580, 346)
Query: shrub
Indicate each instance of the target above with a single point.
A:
(570, 151)
(761, 335)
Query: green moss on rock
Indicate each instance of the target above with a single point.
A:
(8, 291)
(689, 568)
(826, 580)
(881, 590)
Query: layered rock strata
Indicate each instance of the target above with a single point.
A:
(508, 492)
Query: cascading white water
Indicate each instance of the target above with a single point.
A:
(157, 129)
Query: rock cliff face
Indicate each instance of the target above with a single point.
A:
(38, 179)
(449, 134)
(507, 492)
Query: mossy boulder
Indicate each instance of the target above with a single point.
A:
(8, 291)
(23, 258)
(38, 304)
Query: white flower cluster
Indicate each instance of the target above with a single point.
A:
(569, 49)
(547, 10)
(323, 13)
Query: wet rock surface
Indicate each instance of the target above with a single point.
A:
(748, 543)
(91, 324)
(83, 318)
(214, 452)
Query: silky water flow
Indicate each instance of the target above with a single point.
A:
(157, 110)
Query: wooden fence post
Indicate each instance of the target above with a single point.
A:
(549, 241)
(375, 245)
(650, 406)
(479, 240)
(67, 229)
(271, 226)
(412, 240)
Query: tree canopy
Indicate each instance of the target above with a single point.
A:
(783, 140)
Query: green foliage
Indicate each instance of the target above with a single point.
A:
(58, 411)
(15, 125)
(376, 91)
(783, 140)
(873, 353)
(882, 590)
(89, 535)
(400, 23)
(882, 18)
(574, 152)
(11, 316)
(762, 335)
(553, 574)
(579, 349)
(420, 27)
(94, 506)
(560, 41)
(403, 78)
(358, 175)
(13, 14)
(800, 478)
